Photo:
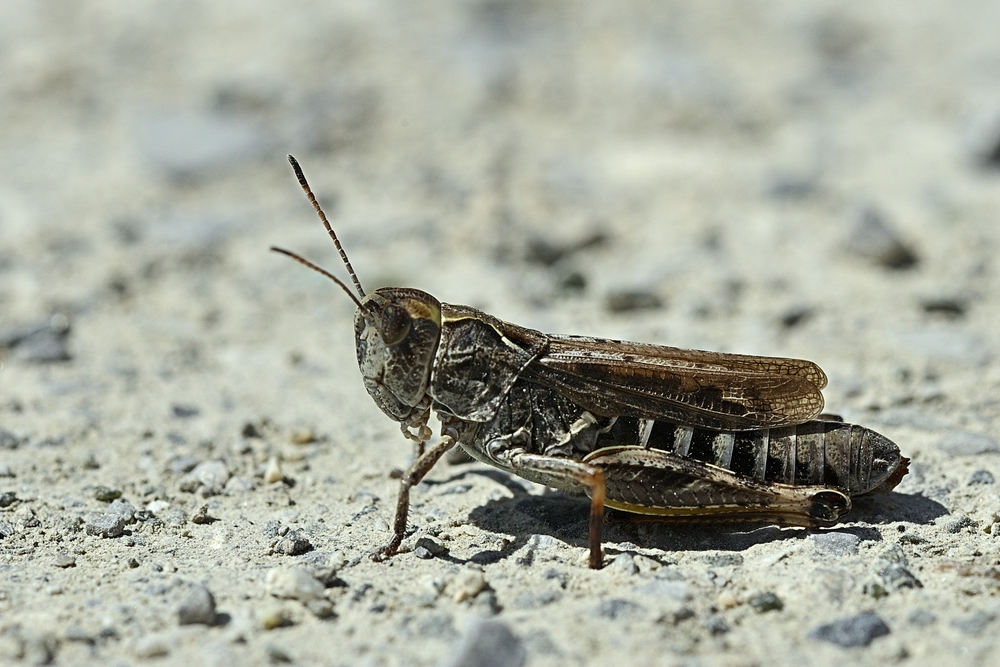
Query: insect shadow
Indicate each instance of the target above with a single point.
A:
(564, 517)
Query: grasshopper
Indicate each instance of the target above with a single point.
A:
(674, 434)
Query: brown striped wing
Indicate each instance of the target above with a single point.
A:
(714, 390)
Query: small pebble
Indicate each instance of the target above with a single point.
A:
(10, 440)
(276, 654)
(980, 477)
(212, 475)
(836, 543)
(890, 567)
(6, 471)
(859, 630)
(488, 643)
(921, 618)
(275, 616)
(202, 517)
(250, 431)
(90, 463)
(724, 560)
(293, 583)
(958, 523)
(320, 608)
(615, 608)
(39, 342)
(198, 607)
(874, 238)
(153, 646)
(766, 602)
(183, 464)
(726, 600)
(133, 563)
(293, 543)
(106, 525)
(123, 509)
(431, 546)
(302, 436)
(625, 564)
(716, 625)
(632, 300)
(185, 411)
(7, 498)
(238, 485)
(75, 633)
(273, 472)
(645, 564)
(64, 560)
(106, 494)
(466, 585)
(973, 625)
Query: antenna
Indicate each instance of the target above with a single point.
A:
(303, 260)
(326, 223)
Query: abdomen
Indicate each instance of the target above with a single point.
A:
(852, 458)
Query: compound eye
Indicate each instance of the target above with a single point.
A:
(395, 325)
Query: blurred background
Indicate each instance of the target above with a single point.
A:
(782, 178)
(810, 179)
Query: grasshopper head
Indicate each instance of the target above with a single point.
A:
(397, 331)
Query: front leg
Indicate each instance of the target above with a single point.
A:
(570, 473)
(420, 467)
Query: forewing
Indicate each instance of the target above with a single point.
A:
(714, 390)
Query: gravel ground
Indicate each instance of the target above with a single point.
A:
(190, 469)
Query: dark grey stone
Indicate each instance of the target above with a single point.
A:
(974, 624)
(631, 300)
(106, 525)
(38, 342)
(765, 602)
(488, 643)
(7, 498)
(921, 618)
(198, 606)
(615, 608)
(836, 543)
(716, 625)
(123, 509)
(895, 577)
(294, 543)
(958, 523)
(724, 560)
(106, 494)
(10, 440)
(183, 464)
(980, 477)
(874, 238)
(891, 569)
(64, 560)
(6, 530)
(859, 630)
(431, 546)
(185, 411)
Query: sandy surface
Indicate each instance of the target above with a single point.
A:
(559, 165)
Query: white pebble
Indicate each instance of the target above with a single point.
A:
(293, 583)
